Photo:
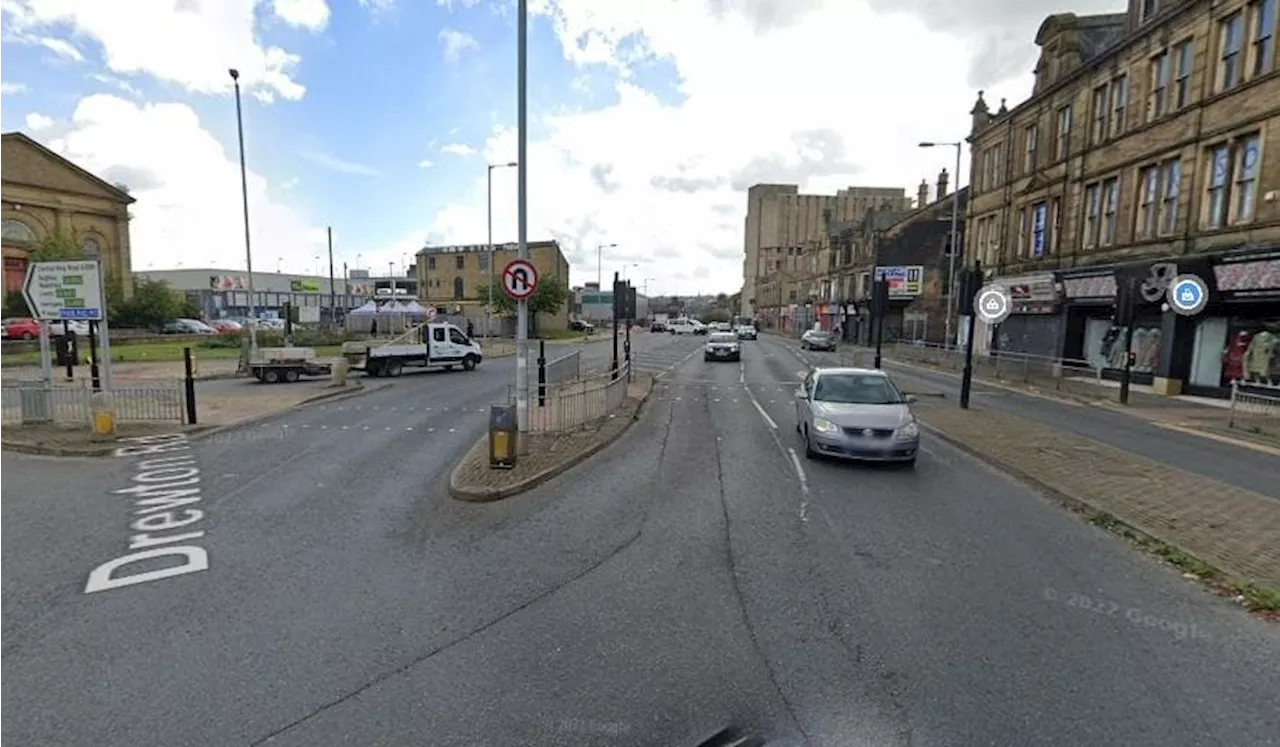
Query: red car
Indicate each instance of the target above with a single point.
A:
(21, 328)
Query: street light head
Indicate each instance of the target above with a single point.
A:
(235, 74)
(512, 165)
(927, 145)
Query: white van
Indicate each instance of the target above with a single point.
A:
(431, 346)
(683, 326)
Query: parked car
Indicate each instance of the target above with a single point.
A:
(817, 339)
(187, 327)
(225, 326)
(856, 413)
(578, 325)
(21, 328)
(722, 346)
(683, 327)
(658, 326)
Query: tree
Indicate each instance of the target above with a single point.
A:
(15, 305)
(53, 247)
(549, 297)
(153, 304)
(498, 297)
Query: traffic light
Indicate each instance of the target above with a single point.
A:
(969, 283)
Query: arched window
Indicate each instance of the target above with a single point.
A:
(17, 231)
(457, 289)
(91, 248)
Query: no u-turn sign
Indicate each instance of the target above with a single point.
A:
(520, 279)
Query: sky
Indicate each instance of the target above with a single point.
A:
(647, 119)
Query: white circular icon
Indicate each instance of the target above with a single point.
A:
(1187, 295)
(993, 304)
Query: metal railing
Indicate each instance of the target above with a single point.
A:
(1257, 413)
(1068, 375)
(573, 404)
(563, 369)
(32, 402)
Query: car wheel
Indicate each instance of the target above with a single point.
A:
(469, 363)
(909, 464)
(809, 453)
(28, 336)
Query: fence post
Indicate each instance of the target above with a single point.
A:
(628, 349)
(1231, 410)
(189, 381)
(542, 373)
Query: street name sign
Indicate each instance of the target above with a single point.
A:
(70, 289)
(520, 279)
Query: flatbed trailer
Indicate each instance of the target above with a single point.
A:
(272, 365)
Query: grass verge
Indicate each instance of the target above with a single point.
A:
(159, 352)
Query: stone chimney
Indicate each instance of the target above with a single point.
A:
(942, 184)
(981, 115)
(922, 194)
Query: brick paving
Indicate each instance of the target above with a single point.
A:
(1235, 529)
(547, 452)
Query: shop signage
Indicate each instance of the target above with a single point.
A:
(1099, 286)
(228, 282)
(1032, 294)
(904, 280)
(1258, 278)
(304, 286)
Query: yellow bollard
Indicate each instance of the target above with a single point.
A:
(103, 416)
(195, 366)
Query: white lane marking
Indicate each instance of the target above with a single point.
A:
(742, 372)
(804, 484)
(767, 420)
(1263, 448)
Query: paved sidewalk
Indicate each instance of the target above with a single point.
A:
(548, 455)
(1234, 529)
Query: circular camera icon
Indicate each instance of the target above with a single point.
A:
(993, 304)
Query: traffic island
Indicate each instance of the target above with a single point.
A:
(79, 441)
(547, 454)
(1225, 536)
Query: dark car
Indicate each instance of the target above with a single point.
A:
(817, 339)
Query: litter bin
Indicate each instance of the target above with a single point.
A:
(35, 401)
(503, 435)
(67, 349)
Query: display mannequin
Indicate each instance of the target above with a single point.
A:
(1149, 354)
(1233, 358)
(1257, 358)
(1107, 347)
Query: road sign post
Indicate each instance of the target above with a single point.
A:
(62, 290)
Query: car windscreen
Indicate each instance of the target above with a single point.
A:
(856, 389)
(722, 337)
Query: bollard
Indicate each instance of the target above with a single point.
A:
(338, 373)
(189, 382)
(102, 414)
(542, 373)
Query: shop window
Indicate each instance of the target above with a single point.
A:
(1248, 352)
(1104, 344)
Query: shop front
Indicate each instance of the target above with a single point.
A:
(1237, 337)
(1034, 326)
(1093, 336)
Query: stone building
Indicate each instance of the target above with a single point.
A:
(455, 277)
(1150, 147)
(784, 230)
(45, 194)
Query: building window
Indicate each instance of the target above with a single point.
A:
(1101, 114)
(1246, 179)
(1262, 45)
(90, 248)
(1055, 224)
(1158, 101)
(1148, 202)
(1032, 137)
(482, 261)
(458, 288)
(1110, 200)
(431, 263)
(1149, 9)
(1182, 85)
(18, 232)
(1039, 229)
(1093, 214)
(1229, 68)
(1024, 226)
(1119, 104)
(1219, 165)
(460, 262)
(1171, 175)
(1063, 144)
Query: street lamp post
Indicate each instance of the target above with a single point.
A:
(599, 260)
(522, 213)
(244, 196)
(955, 227)
(488, 309)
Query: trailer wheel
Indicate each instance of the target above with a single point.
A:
(469, 363)
(374, 369)
(271, 376)
(257, 374)
(291, 375)
(394, 368)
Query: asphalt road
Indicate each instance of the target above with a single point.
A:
(1218, 460)
(683, 579)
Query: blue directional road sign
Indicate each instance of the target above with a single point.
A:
(1187, 295)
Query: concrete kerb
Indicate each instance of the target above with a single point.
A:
(496, 494)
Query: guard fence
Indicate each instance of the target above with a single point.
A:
(35, 402)
(1256, 413)
(570, 404)
(1067, 375)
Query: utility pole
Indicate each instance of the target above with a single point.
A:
(955, 231)
(600, 264)
(244, 196)
(333, 291)
(522, 212)
(488, 311)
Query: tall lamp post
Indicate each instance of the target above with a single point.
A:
(244, 196)
(955, 227)
(599, 260)
(488, 309)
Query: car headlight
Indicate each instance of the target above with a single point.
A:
(824, 426)
(909, 431)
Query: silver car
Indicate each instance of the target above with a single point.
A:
(856, 413)
(817, 339)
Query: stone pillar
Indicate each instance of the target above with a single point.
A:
(1177, 338)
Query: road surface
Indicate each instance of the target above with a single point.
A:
(685, 578)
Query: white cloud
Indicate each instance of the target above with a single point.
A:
(119, 83)
(452, 4)
(185, 42)
(333, 163)
(312, 15)
(458, 149)
(378, 6)
(37, 122)
(823, 93)
(9, 89)
(187, 188)
(455, 43)
(425, 164)
(61, 47)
